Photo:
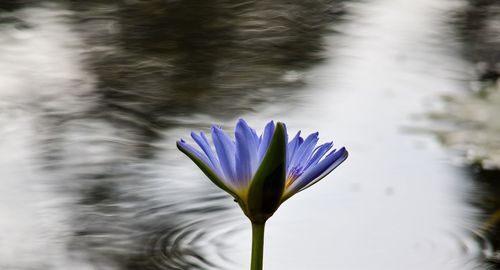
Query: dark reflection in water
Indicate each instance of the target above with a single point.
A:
(478, 25)
(490, 203)
(160, 58)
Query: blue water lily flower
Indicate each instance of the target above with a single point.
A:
(261, 172)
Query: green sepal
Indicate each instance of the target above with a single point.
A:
(208, 172)
(268, 184)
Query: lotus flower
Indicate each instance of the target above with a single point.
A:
(261, 172)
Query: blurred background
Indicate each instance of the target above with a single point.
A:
(94, 94)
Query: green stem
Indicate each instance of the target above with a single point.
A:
(257, 245)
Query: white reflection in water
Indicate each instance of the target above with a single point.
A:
(40, 74)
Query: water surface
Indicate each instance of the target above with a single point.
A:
(93, 98)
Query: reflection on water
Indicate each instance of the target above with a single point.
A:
(489, 189)
(478, 25)
(94, 94)
(197, 56)
(88, 90)
(473, 114)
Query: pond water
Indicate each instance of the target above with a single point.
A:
(94, 95)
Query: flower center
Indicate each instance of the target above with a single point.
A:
(293, 174)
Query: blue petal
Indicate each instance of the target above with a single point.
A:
(201, 161)
(316, 173)
(247, 144)
(225, 151)
(292, 146)
(318, 153)
(303, 153)
(286, 132)
(202, 141)
(182, 143)
(265, 140)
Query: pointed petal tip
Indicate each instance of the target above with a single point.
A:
(345, 150)
(242, 124)
(215, 126)
(217, 130)
(341, 154)
(297, 135)
(181, 145)
(194, 135)
(330, 143)
(281, 126)
(270, 123)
